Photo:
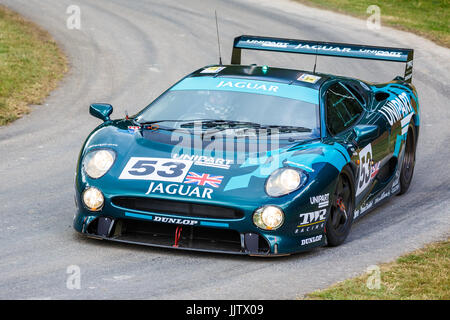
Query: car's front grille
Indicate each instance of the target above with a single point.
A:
(177, 208)
(158, 234)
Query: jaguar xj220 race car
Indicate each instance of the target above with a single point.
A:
(250, 159)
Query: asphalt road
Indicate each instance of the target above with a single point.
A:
(127, 53)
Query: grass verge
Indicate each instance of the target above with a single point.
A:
(428, 18)
(420, 275)
(31, 64)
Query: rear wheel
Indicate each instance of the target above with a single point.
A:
(340, 218)
(409, 161)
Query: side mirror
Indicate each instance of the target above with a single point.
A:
(365, 133)
(101, 110)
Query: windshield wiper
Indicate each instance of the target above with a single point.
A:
(287, 129)
(149, 123)
(216, 123)
(228, 124)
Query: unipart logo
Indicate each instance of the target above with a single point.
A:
(320, 200)
(267, 43)
(397, 108)
(392, 54)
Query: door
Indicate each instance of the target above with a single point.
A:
(344, 110)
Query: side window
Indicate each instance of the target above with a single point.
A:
(342, 109)
(357, 92)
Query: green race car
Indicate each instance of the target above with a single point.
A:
(250, 159)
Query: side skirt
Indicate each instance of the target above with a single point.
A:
(381, 197)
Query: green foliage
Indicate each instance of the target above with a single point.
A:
(30, 65)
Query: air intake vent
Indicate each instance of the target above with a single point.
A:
(177, 208)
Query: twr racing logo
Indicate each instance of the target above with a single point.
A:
(311, 221)
(313, 217)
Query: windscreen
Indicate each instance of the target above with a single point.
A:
(176, 108)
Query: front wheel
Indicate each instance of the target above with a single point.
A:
(340, 218)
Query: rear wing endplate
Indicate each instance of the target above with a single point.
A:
(325, 49)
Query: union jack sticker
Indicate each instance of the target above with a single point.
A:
(133, 129)
(203, 179)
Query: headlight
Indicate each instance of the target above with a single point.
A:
(93, 199)
(96, 163)
(268, 218)
(284, 180)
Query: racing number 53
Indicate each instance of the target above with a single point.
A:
(365, 158)
(159, 169)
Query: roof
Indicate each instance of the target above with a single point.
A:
(264, 73)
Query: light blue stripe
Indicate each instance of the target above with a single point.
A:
(398, 144)
(214, 224)
(250, 86)
(203, 223)
(136, 215)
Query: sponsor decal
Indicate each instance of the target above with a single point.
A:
(313, 217)
(396, 183)
(322, 47)
(133, 129)
(382, 196)
(365, 158)
(185, 222)
(397, 109)
(151, 127)
(311, 221)
(395, 188)
(375, 170)
(308, 78)
(247, 85)
(321, 200)
(205, 161)
(363, 209)
(310, 228)
(311, 240)
(203, 179)
(212, 70)
(384, 53)
(180, 189)
(268, 43)
(391, 54)
(159, 169)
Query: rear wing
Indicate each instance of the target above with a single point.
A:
(325, 49)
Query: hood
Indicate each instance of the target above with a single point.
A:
(161, 163)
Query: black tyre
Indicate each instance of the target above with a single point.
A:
(340, 218)
(409, 160)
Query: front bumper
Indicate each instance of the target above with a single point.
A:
(183, 232)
